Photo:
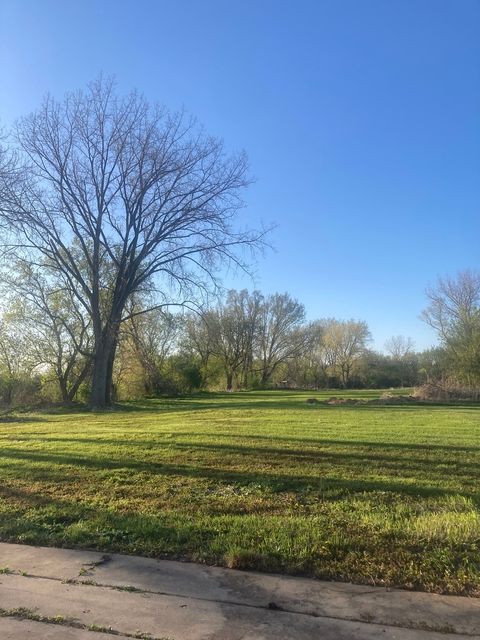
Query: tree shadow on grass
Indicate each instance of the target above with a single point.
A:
(20, 419)
(318, 454)
(188, 405)
(306, 440)
(252, 401)
(258, 443)
(271, 481)
(48, 524)
(326, 550)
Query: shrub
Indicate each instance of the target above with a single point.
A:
(447, 391)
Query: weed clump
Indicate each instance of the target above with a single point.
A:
(447, 391)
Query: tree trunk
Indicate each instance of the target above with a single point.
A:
(72, 392)
(8, 394)
(265, 377)
(98, 394)
(229, 381)
(110, 392)
(62, 383)
(101, 393)
(246, 371)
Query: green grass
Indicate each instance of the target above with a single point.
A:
(262, 480)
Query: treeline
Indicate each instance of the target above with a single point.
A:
(255, 341)
(244, 341)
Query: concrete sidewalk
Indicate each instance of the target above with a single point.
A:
(60, 594)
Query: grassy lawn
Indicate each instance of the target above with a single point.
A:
(262, 480)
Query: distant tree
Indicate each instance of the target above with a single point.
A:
(197, 340)
(434, 364)
(378, 370)
(225, 336)
(454, 313)
(231, 326)
(324, 350)
(251, 309)
(152, 337)
(403, 359)
(281, 334)
(308, 369)
(116, 197)
(399, 347)
(345, 342)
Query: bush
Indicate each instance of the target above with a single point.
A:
(447, 391)
(19, 391)
(182, 375)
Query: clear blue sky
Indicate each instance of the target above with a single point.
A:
(361, 119)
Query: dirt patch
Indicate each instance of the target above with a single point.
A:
(385, 399)
(390, 398)
(349, 401)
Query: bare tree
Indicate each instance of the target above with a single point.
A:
(118, 196)
(345, 343)
(8, 169)
(454, 313)
(153, 336)
(281, 335)
(307, 368)
(232, 327)
(198, 340)
(250, 307)
(399, 347)
(320, 354)
(402, 358)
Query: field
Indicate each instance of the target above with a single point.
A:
(261, 480)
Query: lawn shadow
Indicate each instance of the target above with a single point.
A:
(252, 401)
(314, 451)
(271, 481)
(20, 419)
(109, 530)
